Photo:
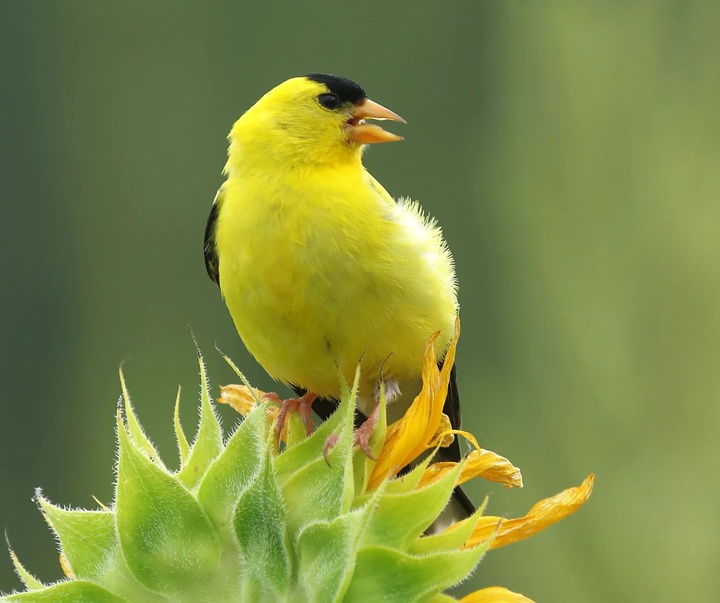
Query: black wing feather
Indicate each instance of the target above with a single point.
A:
(212, 262)
(452, 409)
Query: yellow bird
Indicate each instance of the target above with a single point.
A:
(319, 266)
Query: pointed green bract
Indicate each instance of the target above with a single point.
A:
(410, 480)
(166, 537)
(362, 465)
(30, 581)
(326, 556)
(88, 538)
(259, 524)
(75, 591)
(232, 472)
(320, 488)
(413, 577)
(182, 443)
(306, 451)
(451, 539)
(208, 441)
(401, 518)
(134, 427)
(240, 521)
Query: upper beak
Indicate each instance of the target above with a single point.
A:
(365, 133)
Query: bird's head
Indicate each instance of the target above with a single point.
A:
(316, 118)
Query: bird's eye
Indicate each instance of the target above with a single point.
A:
(329, 100)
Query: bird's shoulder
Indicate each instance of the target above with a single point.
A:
(378, 190)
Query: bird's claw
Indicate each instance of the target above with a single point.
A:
(303, 406)
(330, 443)
(361, 436)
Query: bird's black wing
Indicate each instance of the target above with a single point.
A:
(452, 452)
(212, 262)
(452, 410)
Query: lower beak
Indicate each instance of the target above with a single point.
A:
(359, 131)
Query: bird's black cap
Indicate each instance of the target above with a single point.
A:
(346, 90)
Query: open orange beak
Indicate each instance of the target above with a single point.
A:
(364, 133)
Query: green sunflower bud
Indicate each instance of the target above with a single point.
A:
(243, 521)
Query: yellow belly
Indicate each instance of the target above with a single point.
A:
(316, 283)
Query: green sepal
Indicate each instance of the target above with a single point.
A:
(71, 591)
(87, 538)
(182, 443)
(167, 540)
(443, 598)
(238, 372)
(322, 489)
(398, 485)
(326, 556)
(30, 581)
(451, 538)
(208, 440)
(296, 430)
(409, 481)
(362, 465)
(231, 473)
(401, 518)
(259, 524)
(309, 449)
(391, 576)
(306, 451)
(134, 427)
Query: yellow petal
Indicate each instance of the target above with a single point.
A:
(239, 397)
(492, 467)
(494, 594)
(100, 504)
(407, 438)
(543, 514)
(65, 566)
(479, 463)
(442, 433)
(444, 436)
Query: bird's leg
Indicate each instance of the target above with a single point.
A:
(362, 435)
(365, 431)
(303, 405)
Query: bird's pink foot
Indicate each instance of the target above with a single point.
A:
(361, 436)
(303, 406)
(365, 431)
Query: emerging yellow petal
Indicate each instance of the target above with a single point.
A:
(445, 433)
(479, 463)
(412, 435)
(239, 397)
(495, 594)
(543, 514)
(65, 566)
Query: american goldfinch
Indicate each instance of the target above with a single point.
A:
(319, 266)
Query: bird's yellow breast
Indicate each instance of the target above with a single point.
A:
(320, 269)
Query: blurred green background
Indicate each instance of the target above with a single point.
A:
(571, 152)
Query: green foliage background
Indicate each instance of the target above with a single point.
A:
(570, 150)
